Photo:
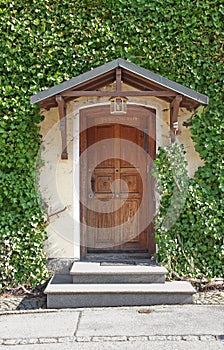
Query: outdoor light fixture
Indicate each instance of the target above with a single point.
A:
(175, 128)
(118, 105)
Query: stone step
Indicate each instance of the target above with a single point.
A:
(62, 295)
(112, 273)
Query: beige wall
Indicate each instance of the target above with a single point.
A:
(59, 179)
(192, 157)
(56, 183)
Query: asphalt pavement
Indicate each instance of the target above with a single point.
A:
(198, 327)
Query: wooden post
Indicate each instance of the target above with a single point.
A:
(63, 125)
(174, 108)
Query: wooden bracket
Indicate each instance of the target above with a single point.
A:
(174, 108)
(63, 125)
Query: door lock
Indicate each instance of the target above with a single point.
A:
(93, 184)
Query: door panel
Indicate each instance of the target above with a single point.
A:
(115, 180)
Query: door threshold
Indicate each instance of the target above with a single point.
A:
(117, 257)
(117, 251)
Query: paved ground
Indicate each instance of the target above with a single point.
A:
(198, 327)
(25, 324)
(121, 345)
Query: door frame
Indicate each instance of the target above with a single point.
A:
(151, 142)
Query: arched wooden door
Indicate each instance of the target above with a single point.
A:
(116, 186)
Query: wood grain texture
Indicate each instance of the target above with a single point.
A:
(117, 162)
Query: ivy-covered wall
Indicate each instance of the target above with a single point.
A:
(45, 42)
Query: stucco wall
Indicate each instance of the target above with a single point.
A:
(59, 179)
(192, 157)
(56, 183)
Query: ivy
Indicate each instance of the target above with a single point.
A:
(190, 235)
(45, 42)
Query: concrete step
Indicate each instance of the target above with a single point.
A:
(118, 272)
(62, 295)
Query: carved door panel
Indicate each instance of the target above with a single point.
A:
(116, 180)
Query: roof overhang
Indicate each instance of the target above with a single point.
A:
(137, 77)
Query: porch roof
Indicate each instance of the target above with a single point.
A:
(131, 74)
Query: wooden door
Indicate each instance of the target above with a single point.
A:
(117, 196)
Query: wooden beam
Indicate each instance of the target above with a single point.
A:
(118, 80)
(155, 93)
(63, 125)
(174, 108)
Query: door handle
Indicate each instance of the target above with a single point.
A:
(93, 184)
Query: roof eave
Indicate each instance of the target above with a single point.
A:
(97, 72)
(164, 82)
(73, 82)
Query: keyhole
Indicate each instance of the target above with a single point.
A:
(116, 170)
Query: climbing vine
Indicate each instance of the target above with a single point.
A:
(189, 234)
(45, 42)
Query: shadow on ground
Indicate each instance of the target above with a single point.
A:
(32, 303)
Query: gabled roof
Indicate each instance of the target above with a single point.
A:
(133, 75)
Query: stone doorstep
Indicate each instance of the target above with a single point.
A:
(96, 268)
(94, 272)
(96, 295)
(99, 285)
(175, 287)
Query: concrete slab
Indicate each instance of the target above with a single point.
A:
(91, 295)
(96, 267)
(38, 325)
(95, 272)
(65, 301)
(168, 287)
(163, 320)
(189, 327)
(129, 345)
